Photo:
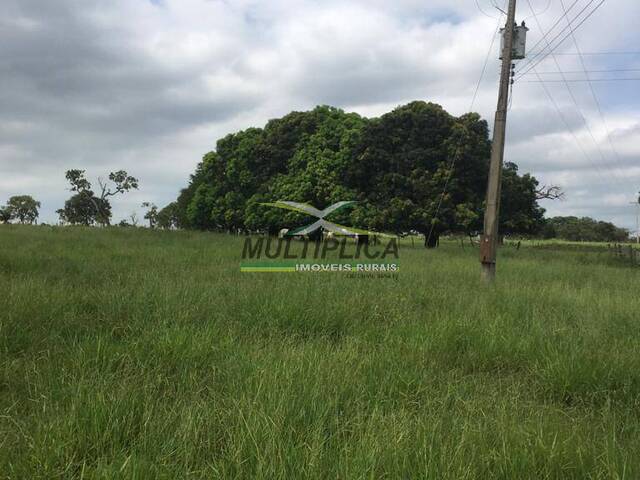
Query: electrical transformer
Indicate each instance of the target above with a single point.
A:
(519, 41)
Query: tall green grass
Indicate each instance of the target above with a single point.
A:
(140, 354)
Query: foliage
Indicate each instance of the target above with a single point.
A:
(583, 229)
(23, 208)
(77, 180)
(519, 211)
(151, 214)
(5, 215)
(77, 209)
(84, 208)
(167, 218)
(396, 166)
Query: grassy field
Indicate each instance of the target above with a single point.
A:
(138, 354)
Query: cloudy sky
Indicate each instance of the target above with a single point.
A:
(150, 85)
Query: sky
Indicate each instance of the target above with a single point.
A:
(150, 85)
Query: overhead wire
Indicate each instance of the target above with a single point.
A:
(510, 96)
(541, 12)
(614, 70)
(572, 96)
(533, 54)
(538, 48)
(483, 12)
(552, 47)
(583, 80)
(568, 126)
(456, 155)
(593, 93)
(598, 53)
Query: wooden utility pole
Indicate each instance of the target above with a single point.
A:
(637, 204)
(489, 241)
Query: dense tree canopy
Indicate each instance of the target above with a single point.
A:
(396, 167)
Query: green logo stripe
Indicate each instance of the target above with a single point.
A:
(267, 269)
(300, 267)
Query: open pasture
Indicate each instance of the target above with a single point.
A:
(129, 353)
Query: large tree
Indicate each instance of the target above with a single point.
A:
(87, 207)
(23, 208)
(84, 208)
(415, 169)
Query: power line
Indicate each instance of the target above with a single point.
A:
(455, 156)
(532, 50)
(552, 49)
(615, 70)
(510, 96)
(484, 66)
(533, 55)
(485, 13)
(583, 80)
(536, 58)
(598, 53)
(569, 129)
(593, 93)
(566, 83)
(535, 63)
(543, 11)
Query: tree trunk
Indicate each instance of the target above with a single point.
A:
(432, 241)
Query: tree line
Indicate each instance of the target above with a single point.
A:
(583, 229)
(86, 206)
(414, 170)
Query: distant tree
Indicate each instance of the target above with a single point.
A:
(23, 208)
(84, 208)
(151, 214)
(121, 181)
(133, 219)
(583, 229)
(168, 217)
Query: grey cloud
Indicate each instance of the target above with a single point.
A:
(150, 86)
(529, 122)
